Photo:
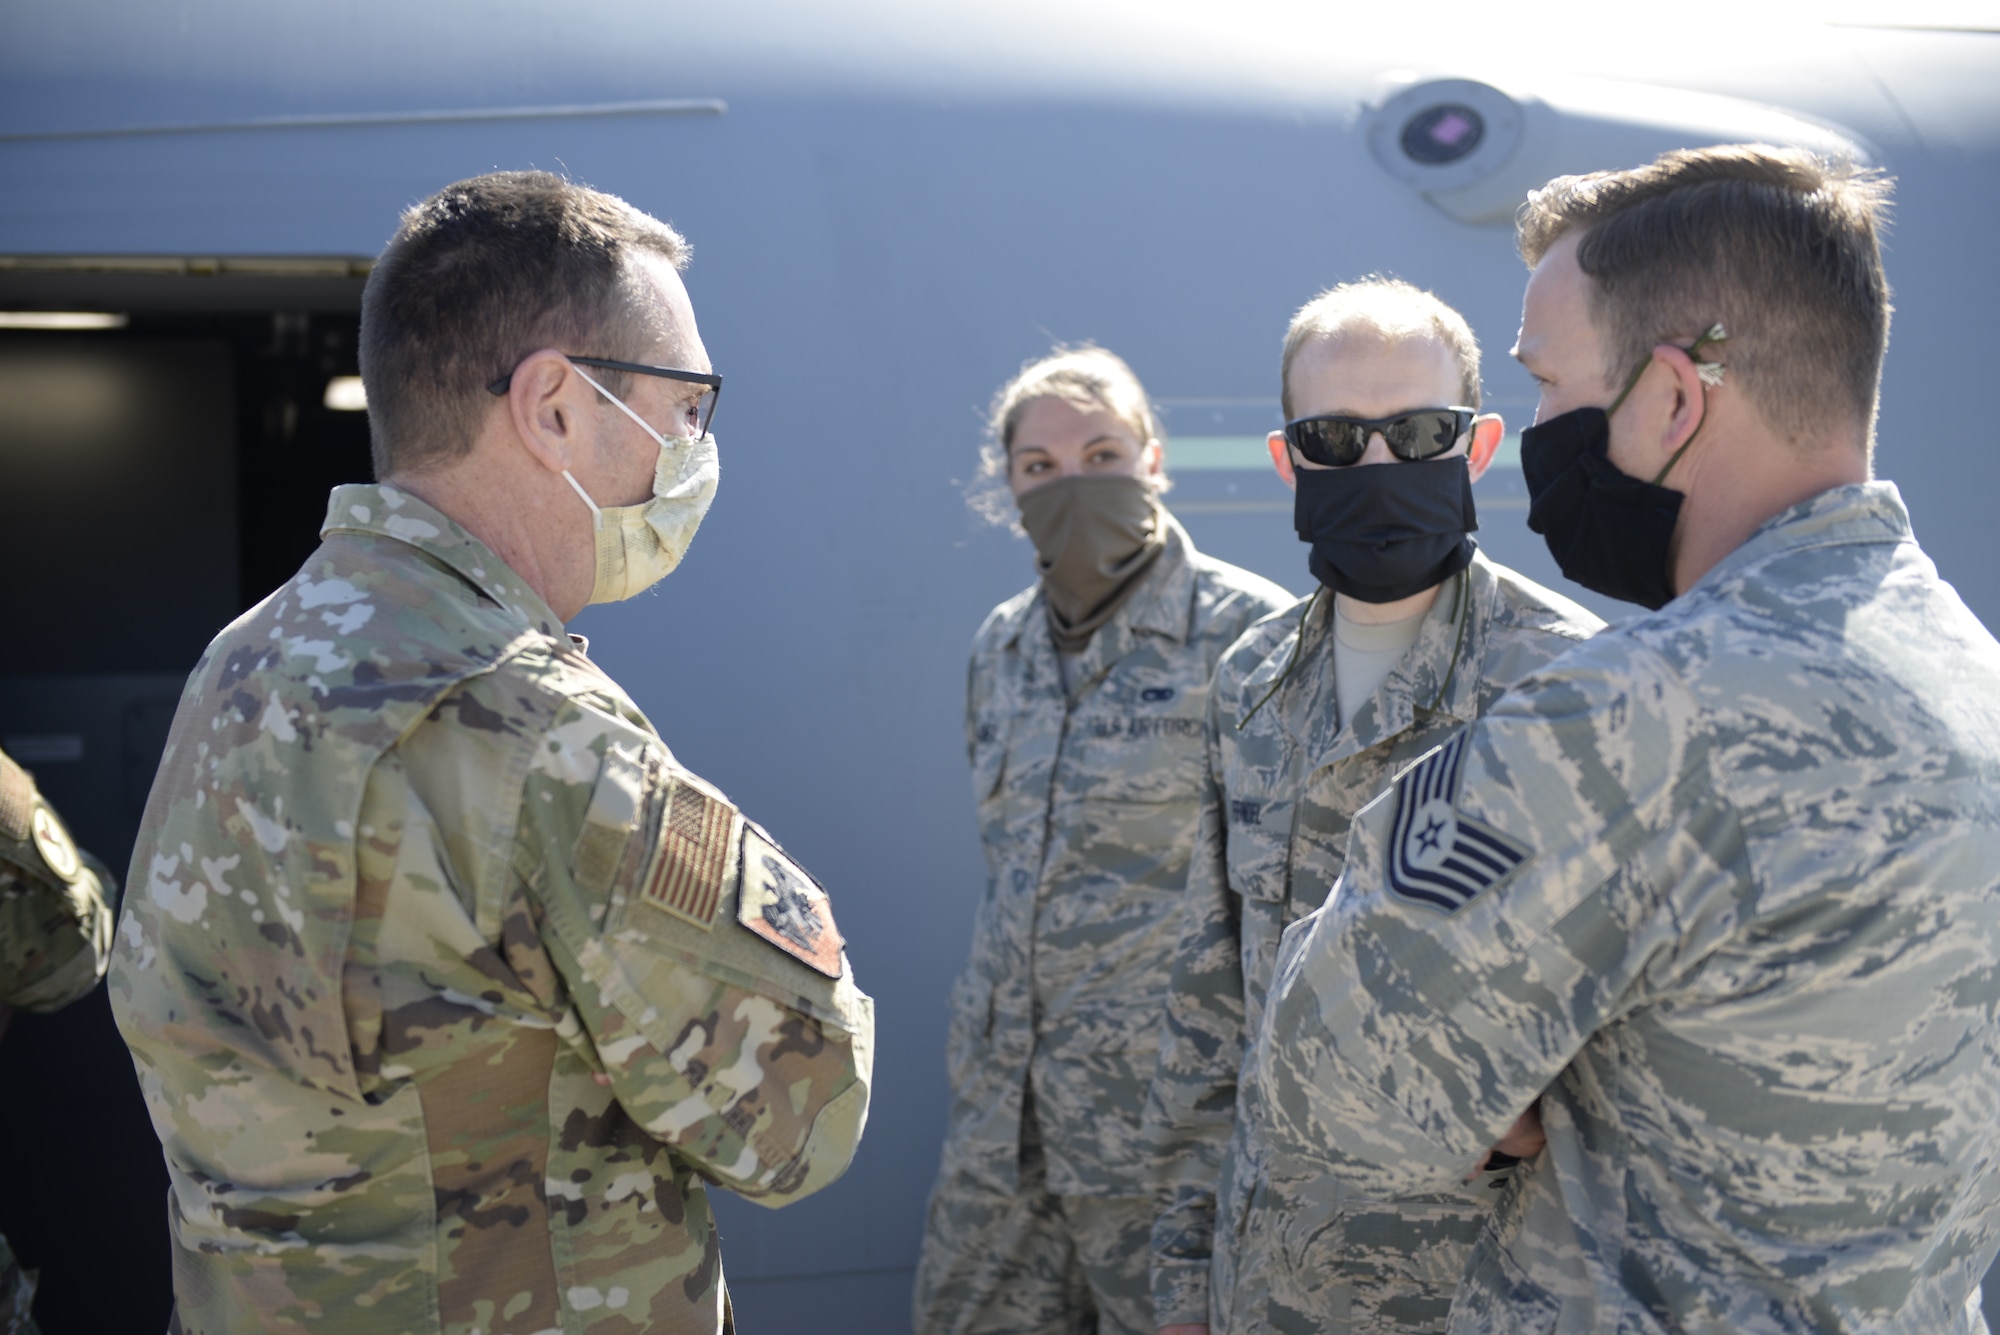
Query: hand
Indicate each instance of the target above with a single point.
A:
(1524, 1139)
(1188, 1328)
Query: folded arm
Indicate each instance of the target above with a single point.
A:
(735, 1035)
(1505, 899)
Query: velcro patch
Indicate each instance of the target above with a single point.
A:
(1439, 856)
(785, 906)
(616, 805)
(697, 831)
(52, 841)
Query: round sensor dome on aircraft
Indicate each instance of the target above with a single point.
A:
(1475, 151)
(1442, 134)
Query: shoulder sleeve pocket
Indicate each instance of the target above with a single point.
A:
(616, 804)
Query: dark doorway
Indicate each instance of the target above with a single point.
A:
(156, 479)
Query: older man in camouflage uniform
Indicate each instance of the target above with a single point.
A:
(1085, 764)
(448, 986)
(56, 903)
(1720, 888)
(1306, 724)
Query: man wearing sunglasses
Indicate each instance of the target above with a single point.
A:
(1411, 634)
(1720, 889)
(450, 987)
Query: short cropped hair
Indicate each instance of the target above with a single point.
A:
(1779, 246)
(1389, 309)
(478, 276)
(1086, 375)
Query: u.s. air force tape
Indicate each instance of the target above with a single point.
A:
(785, 906)
(1438, 856)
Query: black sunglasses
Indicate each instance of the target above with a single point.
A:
(1337, 442)
(705, 407)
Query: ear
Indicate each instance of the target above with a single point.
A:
(1281, 459)
(542, 403)
(1686, 407)
(1487, 432)
(1152, 458)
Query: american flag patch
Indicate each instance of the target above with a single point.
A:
(1437, 855)
(693, 854)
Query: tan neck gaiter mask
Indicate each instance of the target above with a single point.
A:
(1095, 538)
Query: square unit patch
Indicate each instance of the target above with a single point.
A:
(785, 906)
(1437, 855)
(696, 833)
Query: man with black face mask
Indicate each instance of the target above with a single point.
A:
(1720, 889)
(1411, 634)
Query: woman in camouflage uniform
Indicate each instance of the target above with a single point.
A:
(1084, 714)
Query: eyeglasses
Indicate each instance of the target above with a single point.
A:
(1336, 442)
(704, 407)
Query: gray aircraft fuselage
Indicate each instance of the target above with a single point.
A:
(892, 207)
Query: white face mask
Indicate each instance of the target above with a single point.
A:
(639, 545)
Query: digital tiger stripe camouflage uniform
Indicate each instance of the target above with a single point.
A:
(1736, 922)
(1086, 805)
(413, 874)
(1246, 1242)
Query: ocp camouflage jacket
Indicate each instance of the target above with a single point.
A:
(56, 902)
(413, 874)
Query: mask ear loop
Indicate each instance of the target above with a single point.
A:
(1710, 375)
(623, 407)
(596, 515)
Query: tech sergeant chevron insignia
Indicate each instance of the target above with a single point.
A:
(1437, 856)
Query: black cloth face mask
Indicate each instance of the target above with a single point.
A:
(1608, 531)
(1381, 532)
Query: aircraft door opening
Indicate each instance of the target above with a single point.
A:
(165, 453)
